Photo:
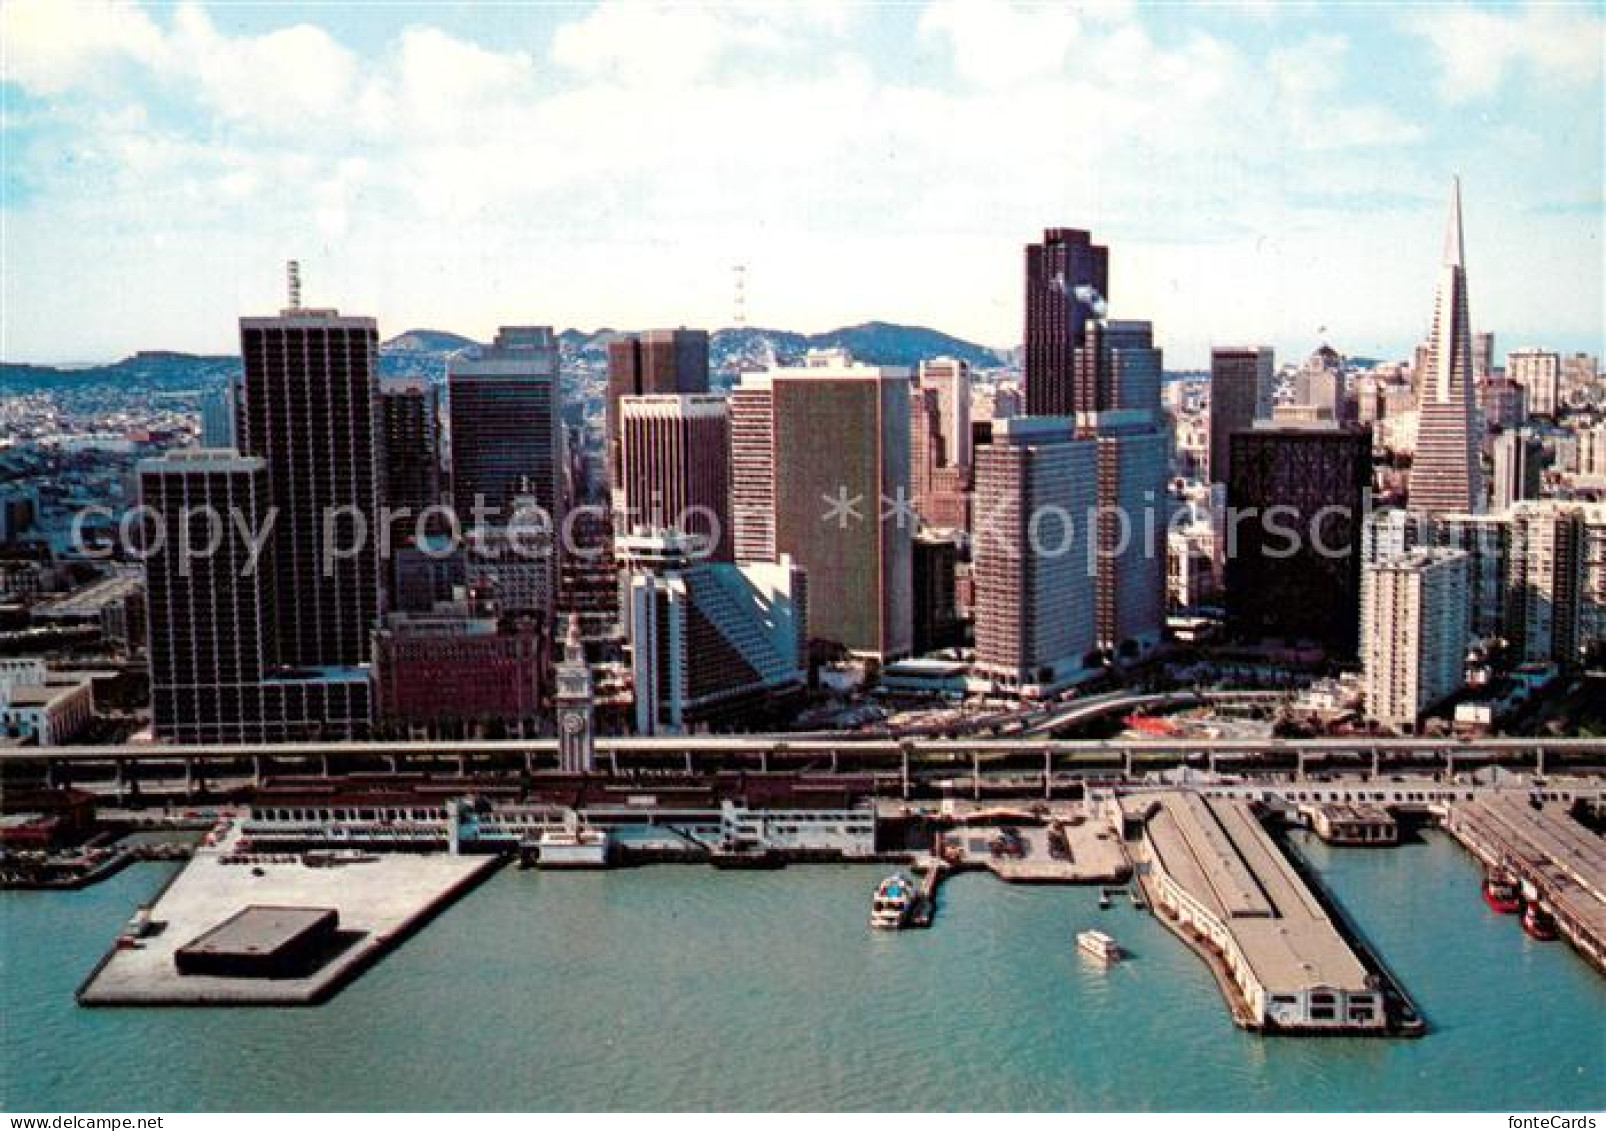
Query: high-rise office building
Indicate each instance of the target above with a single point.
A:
(212, 623)
(711, 641)
(505, 411)
(1130, 527)
(1133, 371)
(674, 469)
(1539, 372)
(1294, 572)
(935, 575)
(410, 436)
(949, 379)
(1035, 611)
(1414, 634)
(941, 443)
(220, 408)
(1065, 274)
(311, 414)
(820, 464)
(1518, 463)
(504, 404)
(214, 617)
(663, 362)
(1445, 471)
(1241, 383)
(1483, 356)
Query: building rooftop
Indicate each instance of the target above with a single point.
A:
(1217, 850)
(259, 929)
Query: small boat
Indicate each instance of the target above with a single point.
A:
(1539, 923)
(1104, 900)
(893, 904)
(573, 846)
(1500, 892)
(1099, 945)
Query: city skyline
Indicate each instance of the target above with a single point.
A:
(669, 146)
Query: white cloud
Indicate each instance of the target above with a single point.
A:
(615, 175)
(51, 46)
(1478, 50)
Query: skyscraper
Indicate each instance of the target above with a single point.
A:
(211, 616)
(1295, 569)
(312, 415)
(1517, 467)
(215, 617)
(1414, 634)
(1445, 472)
(1483, 356)
(220, 415)
(410, 440)
(1118, 379)
(674, 469)
(1240, 393)
(1065, 261)
(1130, 528)
(711, 640)
(507, 426)
(949, 379)
(1036, 488)
(652, 362)
(821, 466)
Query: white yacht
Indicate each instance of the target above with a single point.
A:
(893, 903)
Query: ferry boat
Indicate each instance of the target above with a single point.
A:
(893, 904)
(1099, 945)
(1500, 892)
(1539, 923)
(572, 847)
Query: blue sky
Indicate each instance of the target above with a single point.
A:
(1258, 171)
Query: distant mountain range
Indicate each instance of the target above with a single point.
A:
(423, 353)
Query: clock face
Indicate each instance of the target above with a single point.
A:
(574, 724)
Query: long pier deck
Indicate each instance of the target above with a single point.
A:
(1222, 884)
(1562, 859)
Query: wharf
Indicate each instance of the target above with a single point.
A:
(1563, 861)
(380, 902)
(1089, 852)
(1223, 885)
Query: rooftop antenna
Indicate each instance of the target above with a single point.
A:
(292, 278)
(740, 272)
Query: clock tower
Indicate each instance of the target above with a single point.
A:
(574, 701)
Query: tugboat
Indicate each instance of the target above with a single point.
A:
(1539, 923)
(893, 903)
(1500, 892)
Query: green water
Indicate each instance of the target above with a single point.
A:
(677, 987)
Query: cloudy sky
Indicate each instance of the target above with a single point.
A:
(1259, 172)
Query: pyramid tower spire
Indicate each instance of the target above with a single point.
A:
(1454, 242)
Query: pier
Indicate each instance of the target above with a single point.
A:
(379, 902)
(1547, 849)
(1222, 884)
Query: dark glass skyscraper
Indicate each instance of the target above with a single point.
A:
(311, 413)
(410, 434)
(1056, 318)
(1294, 572)
(507, 427)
